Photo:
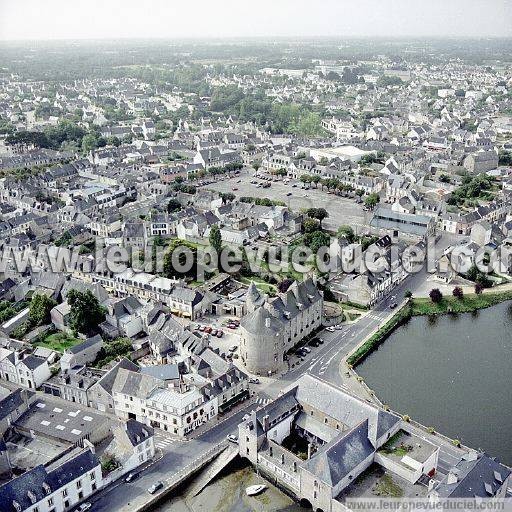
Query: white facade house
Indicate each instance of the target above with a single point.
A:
(56, 487)
(28, 371)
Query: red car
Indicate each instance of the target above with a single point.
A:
(208, 330)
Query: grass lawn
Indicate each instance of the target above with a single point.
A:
(58, 341)
(450, 304)
(260, 284)
(387, 487)
(424, 306)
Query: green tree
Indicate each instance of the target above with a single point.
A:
(316, 240)
(305, 178)
(458, 292)
(371, 200)
(86, 312)
(310, 225)
(39, 309)
(505, 158)
(317, 213)
(169, 269)
(113, 141)
(435, 295)
(89, 142)
(227, 197)
(347, 232)
(215, 238)
(173, 206)
(315, 179)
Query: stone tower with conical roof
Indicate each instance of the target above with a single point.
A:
(253, 298)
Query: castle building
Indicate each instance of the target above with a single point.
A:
(273, 326)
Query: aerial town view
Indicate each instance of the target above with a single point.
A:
(255, 256)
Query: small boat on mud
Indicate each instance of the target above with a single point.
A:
(253, 490)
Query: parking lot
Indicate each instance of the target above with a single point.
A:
(341, 210)
(230, 337)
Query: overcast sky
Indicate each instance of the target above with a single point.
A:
(92, 19)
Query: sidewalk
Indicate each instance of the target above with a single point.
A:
(205, 427)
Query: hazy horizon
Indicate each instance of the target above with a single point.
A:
(30, 20)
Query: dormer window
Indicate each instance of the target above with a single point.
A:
(31, 496)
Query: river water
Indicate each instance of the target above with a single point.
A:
(452, 372)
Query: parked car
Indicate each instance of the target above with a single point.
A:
(214, 332)
(220, 334)
(338, 327)
(330, 329)
(208, 330)
(131, 477)
(313, 343)
(84, 506)
(202, 328)
(232, 438)
(307, 350)
(156, 487)
(393, 306)
(254, 381)
(289, 194)
(233, 348)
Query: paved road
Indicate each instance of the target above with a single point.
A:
(176, 456)
(324, 362)
(341, 210)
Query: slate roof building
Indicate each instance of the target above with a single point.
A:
(476, 475)
(272, 327)
(81, 353)
(179, 397)
(56, 487)
(343, 434)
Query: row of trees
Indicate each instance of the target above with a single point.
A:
(436, 296)
(334, 184)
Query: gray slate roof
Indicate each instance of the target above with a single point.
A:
(340, 457)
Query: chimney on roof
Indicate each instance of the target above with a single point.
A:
(452, 478)
(265, 422)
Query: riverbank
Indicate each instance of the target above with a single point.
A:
(227, 494)
(424, 306)
(441, 370)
